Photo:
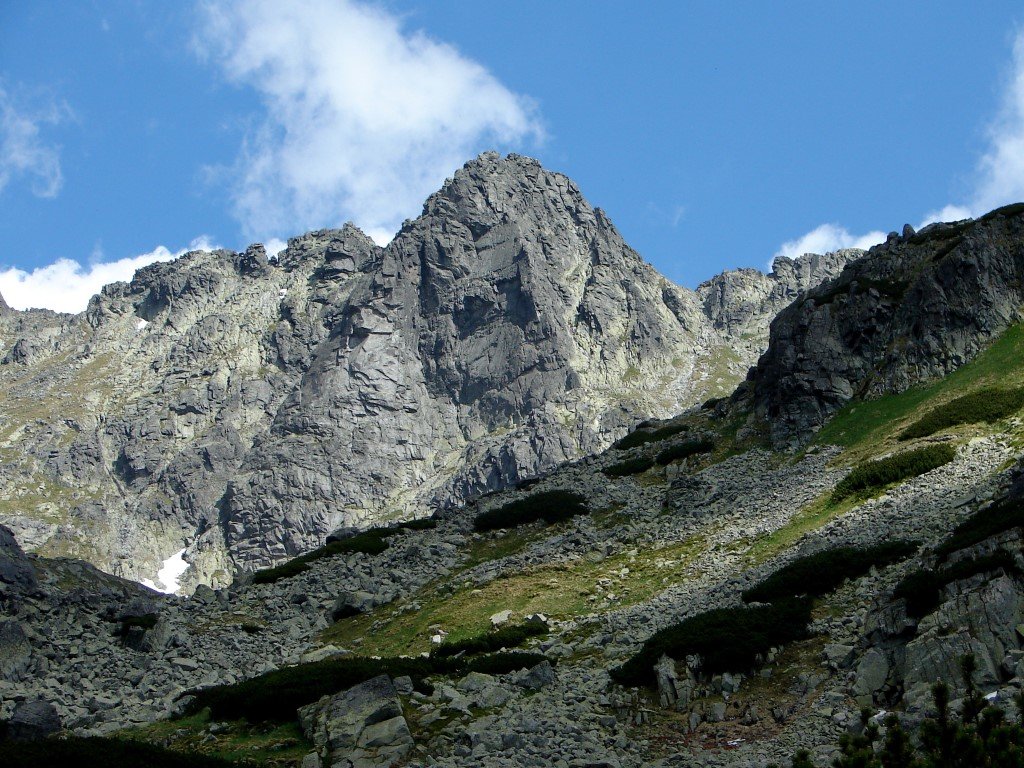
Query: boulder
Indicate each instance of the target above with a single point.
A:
(363, 726)
(352, 604)
(500, 619)
(33, 719)
(16, 570)
(15, 651)
(536, 677)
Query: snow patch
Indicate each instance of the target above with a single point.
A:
(282, 292)
(174, 568)
(141, 324)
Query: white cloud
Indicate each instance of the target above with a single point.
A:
(23, 151)
(363, 118)
(67, 286)
(998, 178)
(826, 238)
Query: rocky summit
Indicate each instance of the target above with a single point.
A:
(497, 494)
(240, 407)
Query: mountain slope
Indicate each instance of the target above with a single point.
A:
(912, 310)
(241, 408)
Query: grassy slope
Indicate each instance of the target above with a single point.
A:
(561, 591)
(870, 428)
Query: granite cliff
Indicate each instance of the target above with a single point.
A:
(913, 309)
(240, 408)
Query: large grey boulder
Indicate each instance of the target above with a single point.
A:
(362, 727)
(33, 719)
(15, 651)
(16, 571)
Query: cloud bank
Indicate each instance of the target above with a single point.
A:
(67, 286)
(998, 177)
(826, 238)
(363, 118)
(24, 153)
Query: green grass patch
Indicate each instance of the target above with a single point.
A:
(999, 517)
(643, 435)
(810, 518)
(684, 450)
(726, 639)
(822, 572)
(371, 542)
(865, 426)
(561, 591)
(923, 589)
(629, 467)
(987, 405)
(237, 741)
(549, 506)
(871, 476)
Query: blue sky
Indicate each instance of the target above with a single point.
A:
(715, 135)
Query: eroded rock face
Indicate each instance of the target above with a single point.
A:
(914, 309)
(241, 407)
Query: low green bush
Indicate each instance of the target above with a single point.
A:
(507, 637)
(986, 405)
(873, 475)
(820, 573)
(643, 435)
(99, 752)
(549, 506)
(275, 696)
(923, 589)
(629, 467)
(502, 663)
(1001, 516)
(371, 541)
(684, 450)
(727, 639)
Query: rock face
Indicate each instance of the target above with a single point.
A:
(915, 308)
(242, 407)
(362, 727)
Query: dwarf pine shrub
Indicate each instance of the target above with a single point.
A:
(643, 435)
(549, 506)
(629, 467)
(1001, 516)
(923, 589)
(684, 450)
(986, 405)
(99, 752)
(506, 637)
(726, 639)
(820, 573)
(873, 475)
(275, 696)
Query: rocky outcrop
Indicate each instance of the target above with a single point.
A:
(241, 407)
(362, 727)
(914, 309)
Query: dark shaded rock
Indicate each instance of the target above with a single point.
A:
(15, 651)
(33, 719)
(363, 725)
(913, 309)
